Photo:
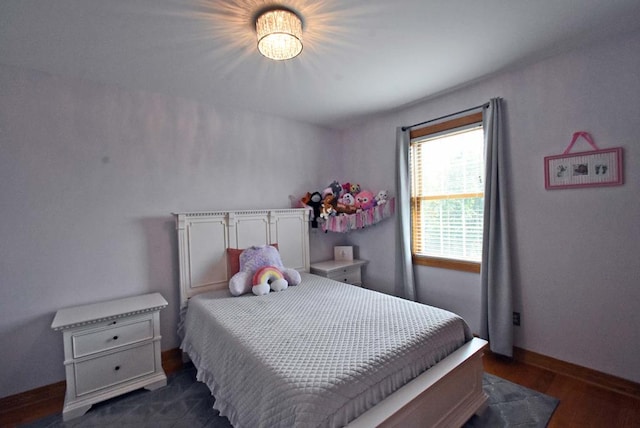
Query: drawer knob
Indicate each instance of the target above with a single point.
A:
(117, 368)
(115, 337)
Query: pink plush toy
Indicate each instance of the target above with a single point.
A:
(251, 261)
(365, 200)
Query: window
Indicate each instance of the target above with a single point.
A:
(447, 193)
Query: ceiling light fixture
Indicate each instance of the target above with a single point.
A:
(279, 34)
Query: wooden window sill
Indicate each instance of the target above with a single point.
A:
(443, 263)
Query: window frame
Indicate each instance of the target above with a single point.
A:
(444, 127)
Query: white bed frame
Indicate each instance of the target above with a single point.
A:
(446, 395)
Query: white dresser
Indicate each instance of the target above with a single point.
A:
(110, 348)
(347, 271)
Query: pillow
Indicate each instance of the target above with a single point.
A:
(233, 260)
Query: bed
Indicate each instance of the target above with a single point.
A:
(322, 353)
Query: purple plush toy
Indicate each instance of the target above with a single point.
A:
(251, 260)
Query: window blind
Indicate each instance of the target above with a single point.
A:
(447, 188)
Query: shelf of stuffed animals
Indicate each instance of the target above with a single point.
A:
(343, 223)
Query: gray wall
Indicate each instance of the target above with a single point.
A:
(577, 269)
(89, 177)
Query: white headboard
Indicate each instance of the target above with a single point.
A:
(203, 239)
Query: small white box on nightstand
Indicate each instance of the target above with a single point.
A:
(343, 253)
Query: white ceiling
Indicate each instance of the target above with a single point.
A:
(360, 57)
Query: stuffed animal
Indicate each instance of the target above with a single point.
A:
(328, 206)
(354, 189)
(313, 200)
(346, 188)
(348, 199)
(333, 189)
(365, 200)
(336, 188)
(268, 278)
(345, 209)
(346, 204)
(252, 260)
(381, 197)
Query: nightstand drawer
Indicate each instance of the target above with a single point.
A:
(350, 275)
(347, 271)
(117, 334)
(109, 370)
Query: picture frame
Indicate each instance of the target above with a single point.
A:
(342, 253)
(584, 169)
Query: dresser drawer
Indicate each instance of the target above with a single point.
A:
(117, 334)
(349, 275)
(109, 370)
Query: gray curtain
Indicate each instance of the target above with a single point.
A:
(405, 285)
(495, 272)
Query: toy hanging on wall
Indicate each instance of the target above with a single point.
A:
(347, 206)
(313, 200)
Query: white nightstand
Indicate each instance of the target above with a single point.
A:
(110, 348)
(347, 271)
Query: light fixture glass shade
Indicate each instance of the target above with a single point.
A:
(279, 34)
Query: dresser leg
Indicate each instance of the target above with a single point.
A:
(74, 412)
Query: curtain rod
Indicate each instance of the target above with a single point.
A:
(485, 105)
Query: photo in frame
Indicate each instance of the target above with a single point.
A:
(585, 169)
(343, 253)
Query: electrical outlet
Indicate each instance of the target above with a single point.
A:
(516, 318)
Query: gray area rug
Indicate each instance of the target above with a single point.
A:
(184, 402)
(512, 405)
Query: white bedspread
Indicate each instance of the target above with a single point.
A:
(315, 355)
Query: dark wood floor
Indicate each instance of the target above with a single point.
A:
(581, 404)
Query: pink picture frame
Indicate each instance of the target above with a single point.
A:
(584, 169)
